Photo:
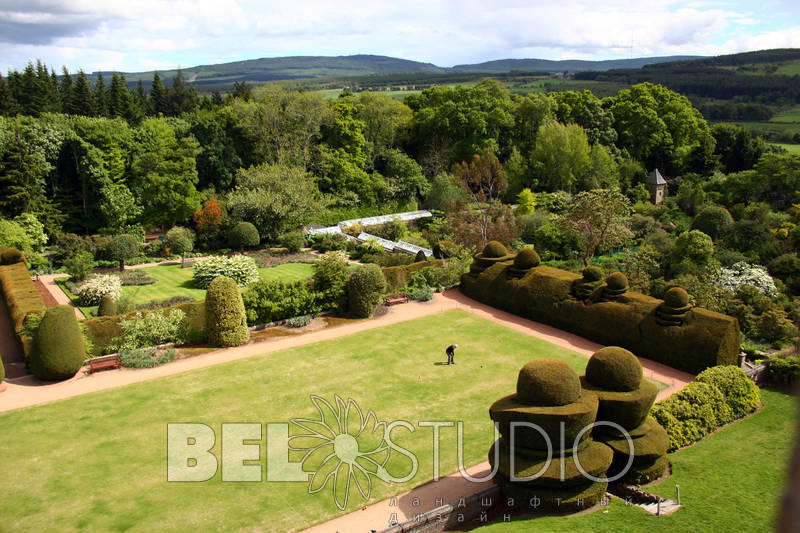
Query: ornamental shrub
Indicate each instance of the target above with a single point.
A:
(226, 322)
(79, 266)
(365, 290)
(146, 357)
(773, 325)
(786, 267)
(271, 300)
(427, 277)
(59, 349)
(420, 257)
(152, 329)
(330, 280)
(293, 241)
(94, 288)
(783, 369)
(741, 394)
(243, 235)
(714, 221)
(108, 306)
(693, 246)
(420, 294)
(692, 413)
(547, 382)
(240, 268)
(614, 368)
(746, 274)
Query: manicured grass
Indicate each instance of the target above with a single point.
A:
(172, 280)
(98, 461)
(731, 481)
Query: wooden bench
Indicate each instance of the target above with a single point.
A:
(106, 361)
(399, 298)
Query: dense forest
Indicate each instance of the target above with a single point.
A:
(753, 76)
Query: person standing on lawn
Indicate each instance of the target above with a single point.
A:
(451, 352)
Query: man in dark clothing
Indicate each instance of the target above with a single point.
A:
(451, 352)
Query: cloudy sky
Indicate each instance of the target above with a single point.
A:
(136, 35)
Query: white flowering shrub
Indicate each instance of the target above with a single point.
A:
(746, 274)
(240, 268)
(93, 289)
(152, 329)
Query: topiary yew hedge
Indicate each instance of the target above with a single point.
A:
(544, 294)
(21, 298)
(226, 322)
(58, 349)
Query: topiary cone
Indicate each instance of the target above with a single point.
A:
(58, 349)
(226, 322)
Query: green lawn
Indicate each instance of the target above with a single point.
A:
(172, 280)
(97, 461)
(731, 481)
(791, 148)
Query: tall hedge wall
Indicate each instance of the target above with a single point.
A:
(101, 330)
(397, 276)
(21, 298)
(543, 294)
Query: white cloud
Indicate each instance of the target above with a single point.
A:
(142, 35)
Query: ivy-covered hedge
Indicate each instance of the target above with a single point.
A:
(21, 298)
(103, 331)
(544, 294)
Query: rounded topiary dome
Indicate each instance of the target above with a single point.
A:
(527, 258)
(614, 368)
(676, 298)
(548, 382)
(617, 281)
(494, 249)
(592, 273)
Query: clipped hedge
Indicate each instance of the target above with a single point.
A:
(553, 472)
(11, 256)
(226, 323)
(705, 339)
(108, 306)
(615, 369)
(21, 298)
(628, 409)
(397, 276)
(547, 382)
(575, 417)
(58, 349)
(104, 330)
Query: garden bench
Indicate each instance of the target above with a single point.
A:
(106, 361)
(399, 298)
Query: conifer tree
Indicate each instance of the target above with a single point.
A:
(158, 96)
(100, 96)
(182, 99)
(65, 91)
(8, 105)
(82, 97)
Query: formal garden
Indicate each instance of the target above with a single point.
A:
(627, 220)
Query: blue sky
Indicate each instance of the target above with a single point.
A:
(135, 35)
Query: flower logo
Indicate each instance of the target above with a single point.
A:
(344, 447)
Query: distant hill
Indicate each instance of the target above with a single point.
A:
(285, 68)
(569, 65)
(208, 77)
